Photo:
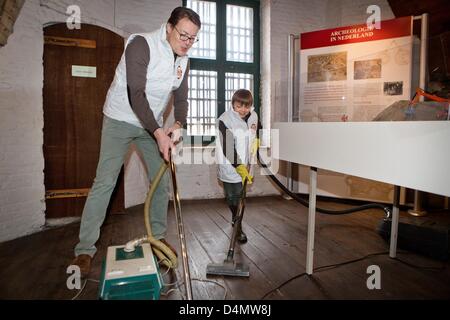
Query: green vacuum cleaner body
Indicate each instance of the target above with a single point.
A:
(130, 275)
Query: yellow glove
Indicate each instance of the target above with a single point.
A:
(255, 146)
(243, 172)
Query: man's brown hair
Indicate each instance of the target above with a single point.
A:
(183, 12)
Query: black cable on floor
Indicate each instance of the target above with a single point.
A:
(332, 266)
(434, 269)
(283, 284)
(305, 203)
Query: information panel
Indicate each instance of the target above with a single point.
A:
(353, 73)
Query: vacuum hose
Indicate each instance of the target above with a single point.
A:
(164, 254)
(305, 203)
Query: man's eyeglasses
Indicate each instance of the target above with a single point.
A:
(185, 37)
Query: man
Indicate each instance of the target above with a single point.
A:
(152, 67)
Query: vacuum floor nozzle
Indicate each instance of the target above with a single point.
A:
(228, 268)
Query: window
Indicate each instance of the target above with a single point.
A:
(235, 81)
(202, 102)
(206, 46)
(239, 33)
(225, 58)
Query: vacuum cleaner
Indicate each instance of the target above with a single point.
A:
(229, 267)
(131, 271)
(130, 275)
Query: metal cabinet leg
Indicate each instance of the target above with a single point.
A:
(311, 219)
(394, 223)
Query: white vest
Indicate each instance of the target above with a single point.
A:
(163, 76)
(244, 134)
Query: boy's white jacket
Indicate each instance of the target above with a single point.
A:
(161, 80)
(243, 135)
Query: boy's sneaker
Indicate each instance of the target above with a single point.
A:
(242, 237)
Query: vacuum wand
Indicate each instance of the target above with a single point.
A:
(237, 222)
(229, 267)
(177, 209)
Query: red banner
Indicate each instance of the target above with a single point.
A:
(394, 28)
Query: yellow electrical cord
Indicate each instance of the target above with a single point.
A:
(164, 254)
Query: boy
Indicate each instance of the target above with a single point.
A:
(237, 144)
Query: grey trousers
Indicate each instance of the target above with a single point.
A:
(116, 139)
(233, 193)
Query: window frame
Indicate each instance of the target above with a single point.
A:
(222, 66)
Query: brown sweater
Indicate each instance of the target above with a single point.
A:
(137, 59)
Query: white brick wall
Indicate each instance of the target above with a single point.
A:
(354, 11)
(21, 118)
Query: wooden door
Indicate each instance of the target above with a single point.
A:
(79, 67)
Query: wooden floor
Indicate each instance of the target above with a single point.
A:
(34, 267)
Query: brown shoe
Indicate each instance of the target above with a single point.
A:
(83, 261)
(169, 246)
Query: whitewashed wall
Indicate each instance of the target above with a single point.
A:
(21, 120)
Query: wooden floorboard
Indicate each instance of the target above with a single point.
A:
(34, 267)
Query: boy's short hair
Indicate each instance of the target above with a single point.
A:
(183, 12)
(243, 96)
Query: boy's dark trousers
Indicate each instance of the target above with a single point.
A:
(233, 193)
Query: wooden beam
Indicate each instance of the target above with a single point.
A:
(66, 193)
(9, 11)
(70, 42)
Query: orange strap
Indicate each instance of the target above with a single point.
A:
(421, 92)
